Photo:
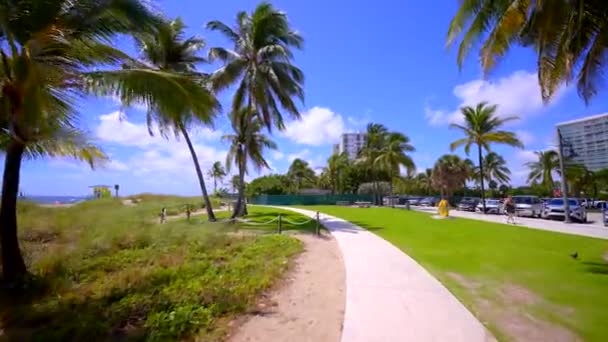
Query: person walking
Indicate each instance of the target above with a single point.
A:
(510, 210)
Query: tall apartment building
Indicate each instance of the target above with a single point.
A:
(587, 138)
(351, 144)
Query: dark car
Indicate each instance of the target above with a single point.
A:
(414, 200)
(428, 202)
(468, 204)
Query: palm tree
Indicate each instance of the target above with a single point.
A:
(261, 63)
(336, 167)
(423, 181)
(216, 172)
(247, 145)
(165, 49)
(392, 155)
(374, 138)
(481, 127)
(301, 174)
(48, 51)
(234, 183)
(449, 173)
(570, 38)
(116, 188)
(495, 168)
(543, 168)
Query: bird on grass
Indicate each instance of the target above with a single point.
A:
(574, 255)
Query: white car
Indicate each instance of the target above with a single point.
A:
(492, 207)
(528, 206)
(555, 210)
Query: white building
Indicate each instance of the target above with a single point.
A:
(587, 140)
(351, 144)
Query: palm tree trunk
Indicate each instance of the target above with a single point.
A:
(199, 173)
(13, 266)
(214, 185)
(483, 195)
(240, 209)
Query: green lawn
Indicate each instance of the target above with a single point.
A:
(106, 271)
(503, 273)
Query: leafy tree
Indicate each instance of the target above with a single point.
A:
(449, 173)
(269, 185)
(247, 145)
(216, 172)
(503, 189)
(543, 168)
(261, 63)
(48, 50)
(482, 127)
(234, 183)
(337, 167)
(570, 38)
(301, 175)
(165, 49)
(495, 168)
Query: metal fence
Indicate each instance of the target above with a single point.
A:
(308, 199)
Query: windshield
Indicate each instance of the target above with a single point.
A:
(523, 200)
(559, 201)
(492, 202)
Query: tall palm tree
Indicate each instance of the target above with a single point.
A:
(261, 63)
(247, 145)
(495, 168)
(216, 172)
(165, 49)
(48, 50)
(374, 139)
(570, 38)
(543, 168)
(336, 167)
(393, 154)
(301, 174)
(449, 173)
(482, 127)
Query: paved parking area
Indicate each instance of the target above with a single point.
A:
(595, 228)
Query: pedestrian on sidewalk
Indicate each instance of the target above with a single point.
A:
(509, 208)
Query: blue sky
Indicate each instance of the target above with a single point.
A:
(383, 62)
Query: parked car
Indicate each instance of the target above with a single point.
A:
(493, 206)
(468, 204)
(428, 202)
(599, 204)
(555, 210)
(415, 200)
(528, 206)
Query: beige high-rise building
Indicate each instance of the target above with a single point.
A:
(351, 144)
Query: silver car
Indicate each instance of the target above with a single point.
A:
(554, 209)
(528, 206)
(493, 206)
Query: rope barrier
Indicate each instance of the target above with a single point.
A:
(257, 223)
(298, 223)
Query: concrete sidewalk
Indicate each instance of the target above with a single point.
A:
(595, 229)
(390, 297)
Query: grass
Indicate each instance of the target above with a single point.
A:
(480, 261)
(106, 271)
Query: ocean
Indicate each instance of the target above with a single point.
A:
(55, 199)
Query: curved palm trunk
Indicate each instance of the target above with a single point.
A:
(199, 173)
(13, 266)
(483, 193)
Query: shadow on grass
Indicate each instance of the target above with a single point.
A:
(596, 267)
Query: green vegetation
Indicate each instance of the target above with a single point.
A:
(572, 293)
(103, 270)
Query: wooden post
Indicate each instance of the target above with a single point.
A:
(318, 225)
(280, 223)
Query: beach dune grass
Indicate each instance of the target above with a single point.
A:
(105, 271)
(516, 280)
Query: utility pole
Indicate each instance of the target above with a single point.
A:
(562, 169)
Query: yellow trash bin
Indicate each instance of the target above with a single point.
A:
(443, 209)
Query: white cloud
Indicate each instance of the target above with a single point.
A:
(358, 122)
(517, 94)
(160, 158)
(277, 155)
(526, 137)
(318, 126)
(303, 154)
